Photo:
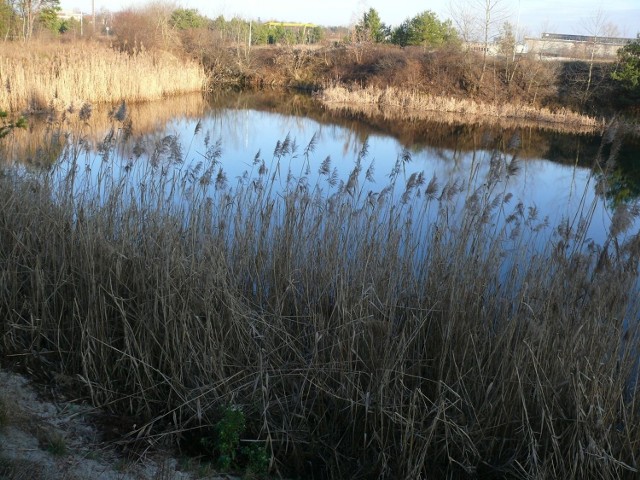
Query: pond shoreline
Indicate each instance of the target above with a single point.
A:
(401, 83)
(394, 104)
(401, 104)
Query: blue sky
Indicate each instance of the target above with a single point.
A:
(533, 16)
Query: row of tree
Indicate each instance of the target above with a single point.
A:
(261, 33)
(24, 18)
(163, 25)
(424, 29)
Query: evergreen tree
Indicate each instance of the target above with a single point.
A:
(371, 29)
(424, 29)
(187, 18)
(628, 71)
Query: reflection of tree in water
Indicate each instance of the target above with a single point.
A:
(450, 141)
(619, 176)
(445, 136)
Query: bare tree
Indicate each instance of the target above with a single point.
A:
(159, 12)
(494, 13)
(479, 21)
(596, 27)
(28, 11)
(464, 19)
(543, 43)
(146, 27)
(508, 41)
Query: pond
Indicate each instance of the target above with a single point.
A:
(558, 176)
(363, 276)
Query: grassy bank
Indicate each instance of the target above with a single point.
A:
(444, 80)
(36, 76)
(356, 338)
(405, 104)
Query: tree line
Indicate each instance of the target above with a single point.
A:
(163, 25)
(424, 29)
(26, 18)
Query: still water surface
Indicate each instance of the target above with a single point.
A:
(552, 172)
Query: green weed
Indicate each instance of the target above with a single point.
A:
(226, 441)
(225, 445)
(257, 460)
(55, 444)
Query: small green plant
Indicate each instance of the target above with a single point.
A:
(225, 445)
(257, 460)
(6, 126)
(226, 440)
(228, 431)
(56, 445)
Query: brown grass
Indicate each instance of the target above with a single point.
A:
(408, 104)
(36, 76)
(441, 332)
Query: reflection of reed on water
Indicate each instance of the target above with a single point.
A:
(435, 130)
(33, 145)
(226, 113)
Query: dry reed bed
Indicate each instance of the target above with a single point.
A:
(35, 76)
(364, 335)
(411, 104)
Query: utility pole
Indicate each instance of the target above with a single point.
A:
(93, 15)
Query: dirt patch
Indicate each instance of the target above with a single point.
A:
(46, 440)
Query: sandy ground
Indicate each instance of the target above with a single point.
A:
(46, 440)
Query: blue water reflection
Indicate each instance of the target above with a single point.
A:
(557, 191)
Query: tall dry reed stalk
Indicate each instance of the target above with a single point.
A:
(422, 330)
(39, 76)
(411, 104)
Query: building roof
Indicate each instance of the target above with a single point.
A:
(69, 14)
(587, 38)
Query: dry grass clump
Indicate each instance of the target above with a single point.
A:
(401, 331)
(58, 75)
(405, 103)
